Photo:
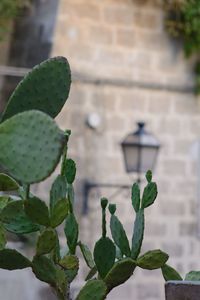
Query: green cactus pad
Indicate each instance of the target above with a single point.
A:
(11, 259)
(58, 190)
(37, 211)
(61, 283)
(104, 255)
(69, 262)
(4, 200)
(193, 276)
(71, 274)
(112, 208)
(31, 145)
(104, 203)
(2, 237)
(152, 260)
(120, 273)
(170, 273)
(46, 241)
(59, 212)
(71, 232)
(70, 170)
(15, 220)
(119, 235)
(136, 197)
(45, 88)
(87, 255)
(7, 183)
(149, 195)
(93, 290)
(138, 234)
(55, 254)
(91, 273)
(149, 176)
(44, 269)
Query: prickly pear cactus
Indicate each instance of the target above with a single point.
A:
(93, 290)
(45, 88)
(31, 147)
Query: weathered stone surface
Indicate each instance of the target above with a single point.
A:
(186, 290)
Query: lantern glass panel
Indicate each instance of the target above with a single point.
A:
(131, 156)
(148, 158)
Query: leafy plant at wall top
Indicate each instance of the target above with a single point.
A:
(9, 9)
(31, 146)
(183, 22)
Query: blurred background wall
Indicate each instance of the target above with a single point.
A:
(127, 69)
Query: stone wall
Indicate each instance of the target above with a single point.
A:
(126, 68)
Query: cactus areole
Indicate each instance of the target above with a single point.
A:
(31, 146)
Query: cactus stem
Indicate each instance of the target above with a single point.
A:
(64, 157)
(104, 222)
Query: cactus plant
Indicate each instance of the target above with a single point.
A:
(31, 147)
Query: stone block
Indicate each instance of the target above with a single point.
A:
(177, 290)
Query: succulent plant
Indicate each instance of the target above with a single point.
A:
(31, 147)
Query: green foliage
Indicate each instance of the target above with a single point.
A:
(170, 273)
(104, 255)
(11, 259)
(48, 86)
(87, 255)
(70, 170)
(71, 232)
(93, 290)
(193, 276)
(37, 211)
(69, 262)
(15, 219)
(119, 235)
(183, 21)
(152, 260)
(31, 145)
(46, 241)
(7, 183)
(120, 273)
(138, 234)
(136, 197)
(44, 269)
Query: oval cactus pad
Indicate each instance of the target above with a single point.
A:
(31, 145)
(45, 88)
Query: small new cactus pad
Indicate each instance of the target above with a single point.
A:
(58, 190)
(120, 273)
(104, 255)
(59, 212)
(93, 290)
(15, 220)
(3, 240)
(87, 255)
(138, 234)
(71, 232)
(193, 276)
(44, 269)
(70, 170)
(149, 176)
(149, 195)
(7, 183)
(119, 235)
(69, 262)
(37, 211)
(31, 145)
(152, 260)
(46, 241)
(136, 197)
(11, 259)
(45, 88)
(170, 273)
